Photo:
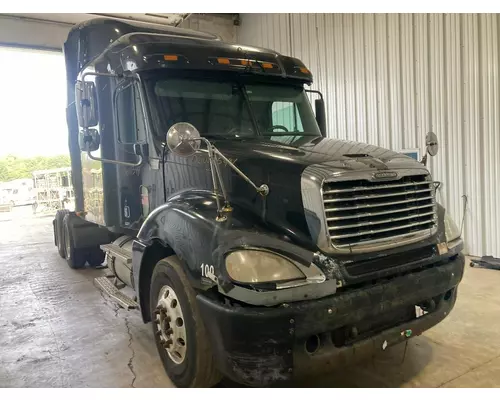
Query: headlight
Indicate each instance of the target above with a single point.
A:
(255, 266)
(451, 229)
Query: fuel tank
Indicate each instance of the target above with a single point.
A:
(119, 258)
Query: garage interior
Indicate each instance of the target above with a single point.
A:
(387, 80)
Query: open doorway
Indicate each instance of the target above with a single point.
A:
(33, 130)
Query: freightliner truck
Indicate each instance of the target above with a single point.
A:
(259, 247)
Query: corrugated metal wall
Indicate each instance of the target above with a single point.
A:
(389, 79)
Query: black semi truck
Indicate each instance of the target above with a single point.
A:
(258, 246)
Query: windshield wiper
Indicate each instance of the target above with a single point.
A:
(250, 109)
(224, 136)
(269, 134)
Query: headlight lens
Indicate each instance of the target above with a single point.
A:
(255, 266)
(451, 229)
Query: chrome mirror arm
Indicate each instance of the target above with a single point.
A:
(262, 189)
(127, 164)
(218, 182)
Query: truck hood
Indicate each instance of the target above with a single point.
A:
(328, 154)
(282, 166)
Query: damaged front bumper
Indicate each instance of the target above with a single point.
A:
(261, 346)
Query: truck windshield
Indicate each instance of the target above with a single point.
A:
(231, 109)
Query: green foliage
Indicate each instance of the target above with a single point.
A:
(12, 167)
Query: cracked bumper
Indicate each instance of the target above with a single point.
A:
(260, 346)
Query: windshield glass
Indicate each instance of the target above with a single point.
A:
(232, 109)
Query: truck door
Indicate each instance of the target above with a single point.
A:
(131, 127)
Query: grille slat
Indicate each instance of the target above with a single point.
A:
(371, 232)
(375, 196)
(373, 214)
(357, 189)
(353, 206)
(384, 221)
(413, 200)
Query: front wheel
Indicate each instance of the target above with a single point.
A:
(178, 328)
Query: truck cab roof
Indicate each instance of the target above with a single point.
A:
(126, 47)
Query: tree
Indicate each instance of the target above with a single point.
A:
(12, 167)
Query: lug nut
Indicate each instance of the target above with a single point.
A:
(169, 331)
(168, 342)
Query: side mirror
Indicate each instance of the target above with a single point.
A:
(319, 105)
(86, 104)
(183, 139)
(89, 140)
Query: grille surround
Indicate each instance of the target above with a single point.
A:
(364, 215)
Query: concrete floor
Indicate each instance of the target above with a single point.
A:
(57, 330)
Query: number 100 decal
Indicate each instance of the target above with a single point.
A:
(207, 271)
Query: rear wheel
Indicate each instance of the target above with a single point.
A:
(180, 334)
(59, 232)
(75, 258)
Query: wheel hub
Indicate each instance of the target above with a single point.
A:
(170, 327)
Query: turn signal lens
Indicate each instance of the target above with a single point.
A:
(170, 57)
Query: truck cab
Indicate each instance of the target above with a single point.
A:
(259, 247)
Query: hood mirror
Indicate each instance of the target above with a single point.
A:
(431, 146)
(183, 139)
(431, 143)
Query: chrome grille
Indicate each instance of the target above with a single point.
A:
(360, 212)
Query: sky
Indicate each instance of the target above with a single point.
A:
(32, 103)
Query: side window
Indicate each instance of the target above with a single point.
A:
(287, 115)
(129, 116)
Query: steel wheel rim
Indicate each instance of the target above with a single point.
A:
(170, 325)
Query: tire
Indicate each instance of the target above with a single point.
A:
(75, 258)
(95, 257)
(197, 368)
(59, 232)
(54, 229)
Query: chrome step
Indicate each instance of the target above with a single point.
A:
(118, 252)
(112, 291)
